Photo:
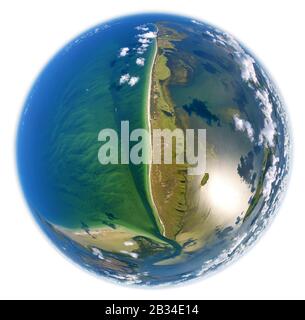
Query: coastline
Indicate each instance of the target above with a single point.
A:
(97, 234)
(148, 104)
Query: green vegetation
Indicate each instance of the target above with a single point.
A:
(259, 188)
(162, 70)
(205, 179)
(161, 95)
(168, 181)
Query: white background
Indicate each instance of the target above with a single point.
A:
(32, 31)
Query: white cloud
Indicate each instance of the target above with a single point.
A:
(144, 40)
(209, 34)
(132, 254)
(268, 132)
(248, 74)
(142, 28)
(124, 78)
(247, 68)
(140, 62)
(245, 61)
(142, 49)
(98, 253)
(133, 81)
(148, 35)
(124, 52)
(270, 177)
(197, 22)
(244, 126)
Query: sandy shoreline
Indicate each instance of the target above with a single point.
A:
(149, 128)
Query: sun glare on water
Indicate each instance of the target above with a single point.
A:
(227, 195)
(224, 194)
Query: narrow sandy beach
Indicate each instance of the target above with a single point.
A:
(150, 130)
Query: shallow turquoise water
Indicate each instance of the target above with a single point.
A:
(76, 96)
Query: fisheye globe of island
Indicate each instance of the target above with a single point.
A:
(150, 222)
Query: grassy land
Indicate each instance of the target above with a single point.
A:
(162, 69)
(168, 181)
